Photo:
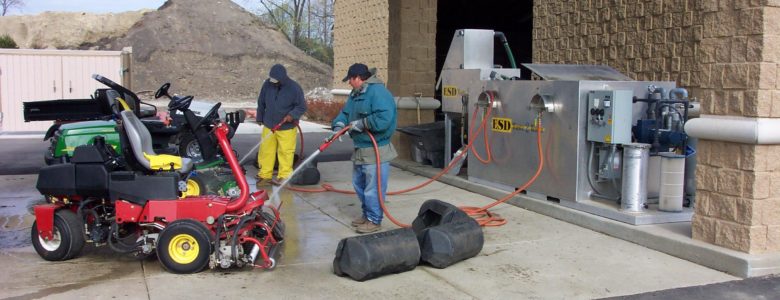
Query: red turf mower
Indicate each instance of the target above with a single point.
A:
(93, 198)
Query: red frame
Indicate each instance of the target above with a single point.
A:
(199, 208)
(44, 219)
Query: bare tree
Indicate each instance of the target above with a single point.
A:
(307, 24)
(287, 15)
(9, 4)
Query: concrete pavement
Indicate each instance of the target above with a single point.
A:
(533, 256)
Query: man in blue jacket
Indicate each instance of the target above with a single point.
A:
(280, 101)
(369, 108)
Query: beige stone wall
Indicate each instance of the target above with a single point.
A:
(360, 35)
(413, 52)
(726, 54)
(412, 60)
(397, 37)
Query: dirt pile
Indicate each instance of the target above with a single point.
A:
(212, 49)
(64, 30)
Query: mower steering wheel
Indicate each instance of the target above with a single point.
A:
(163, 91)
(213, 114)
(179, 103)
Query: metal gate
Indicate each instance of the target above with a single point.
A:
(35, 75)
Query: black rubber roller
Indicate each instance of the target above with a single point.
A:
(449, 243)
(435, 212)
(370, 256)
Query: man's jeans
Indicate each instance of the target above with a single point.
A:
(364, 181)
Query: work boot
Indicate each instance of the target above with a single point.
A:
(359, 221)
(368, 227)
(277, 181)
(263, 182)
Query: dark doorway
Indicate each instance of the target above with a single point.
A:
(513, 18)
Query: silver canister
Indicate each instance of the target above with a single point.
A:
(634, 191)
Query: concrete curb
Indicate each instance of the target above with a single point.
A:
(673, 238)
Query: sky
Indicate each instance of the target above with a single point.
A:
(32, 7)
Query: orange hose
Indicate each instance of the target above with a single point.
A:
(480, 214)
(485, 217)
(482, 126)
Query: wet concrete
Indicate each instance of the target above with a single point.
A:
(533, 256)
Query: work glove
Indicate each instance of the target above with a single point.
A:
(287, 119)
(336, 128)
(358, 125)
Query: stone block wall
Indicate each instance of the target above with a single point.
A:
(396, 37)
(412, 60)
(361, 33)
(726, 53)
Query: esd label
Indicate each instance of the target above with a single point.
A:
(449, 91)
(502, 125)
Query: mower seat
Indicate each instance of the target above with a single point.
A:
(141, 143)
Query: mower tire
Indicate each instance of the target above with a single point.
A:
(184, 246)
(189, 147)
(195, 187)
(68, 237)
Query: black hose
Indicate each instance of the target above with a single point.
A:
(81, 207)
(234, 240)
(127, 247)
(220, 223)
(589, 170)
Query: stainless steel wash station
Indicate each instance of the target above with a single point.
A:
(584, 108)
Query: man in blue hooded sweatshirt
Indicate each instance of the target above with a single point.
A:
(280, 101)
(369, 108)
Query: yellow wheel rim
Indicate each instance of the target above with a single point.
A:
(193, 188)
(183, 249)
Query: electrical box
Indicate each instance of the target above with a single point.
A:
(609, 116)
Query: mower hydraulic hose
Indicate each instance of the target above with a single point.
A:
(222, 131)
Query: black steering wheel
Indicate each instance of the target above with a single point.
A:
(124, 92)
(179, 103)
(162, 91)
(115, 86)
(210, 116)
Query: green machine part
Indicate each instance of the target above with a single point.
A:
(73, 135)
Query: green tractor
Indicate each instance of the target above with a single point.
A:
(186, 135)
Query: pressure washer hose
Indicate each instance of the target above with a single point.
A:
(480, 214)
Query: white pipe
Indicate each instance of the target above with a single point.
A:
(760, 131)
(415, 102)
(340, 92)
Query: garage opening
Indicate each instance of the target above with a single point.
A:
(513, 18)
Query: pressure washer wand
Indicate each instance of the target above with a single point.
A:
(328, 141)
(257, 147)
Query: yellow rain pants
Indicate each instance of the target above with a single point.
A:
(281, 144)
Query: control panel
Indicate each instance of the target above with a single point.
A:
(609, 116)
